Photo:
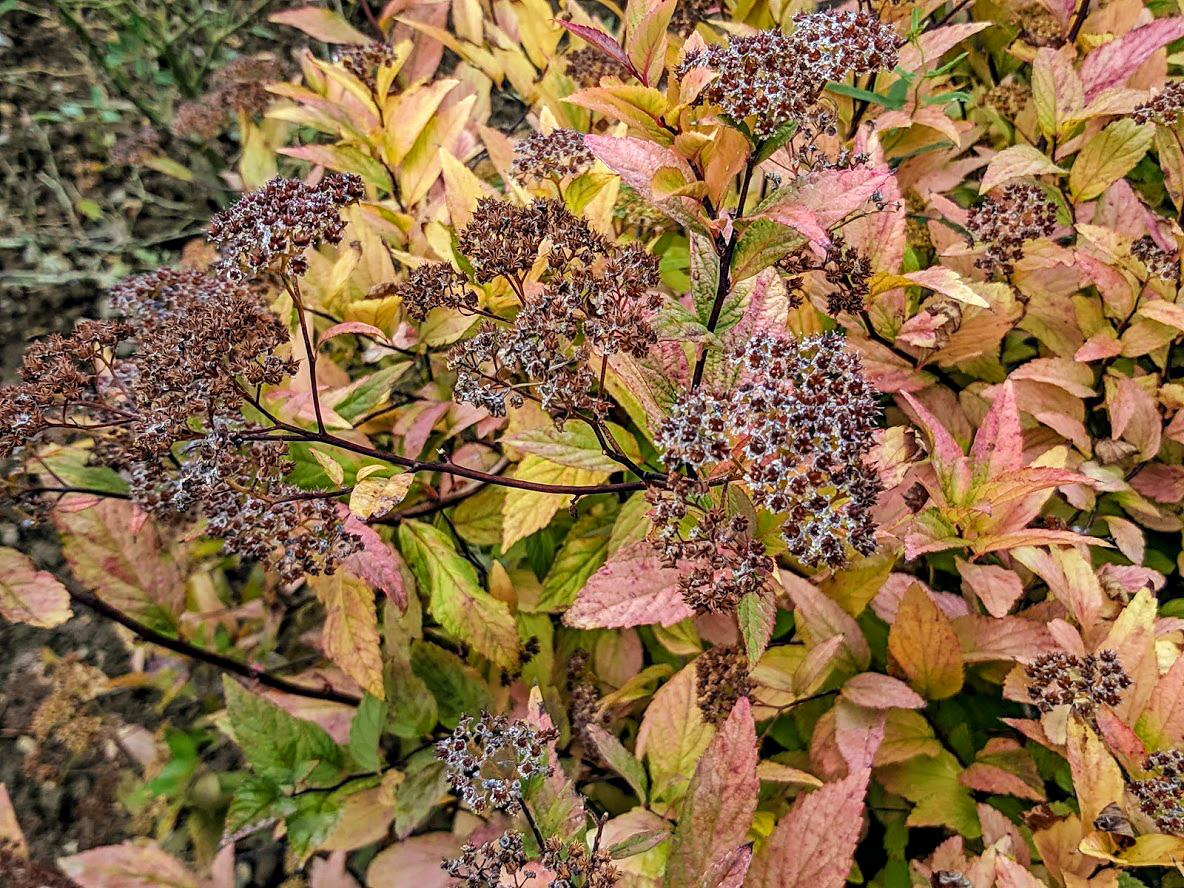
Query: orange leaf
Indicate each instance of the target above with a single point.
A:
(923, 643)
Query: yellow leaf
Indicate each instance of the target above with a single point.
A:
(1108, 156)
(462, 189)
(1155, 849)
(526, 511)
(375, 497)
(923, 643)
(1097, 778)
(331, 466)
(1014, 162)
(350, 632)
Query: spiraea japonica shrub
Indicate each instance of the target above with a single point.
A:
(685, 445)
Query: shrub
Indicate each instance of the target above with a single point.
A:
(760, 465)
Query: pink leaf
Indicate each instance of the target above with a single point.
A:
(999, 442)
(29, 595)
(331, 873)
(1011, 638)
(814, 844)
(377, 563)
(820, 619)
(953, 471)
(631, 589)
(859, 731)
(1112, 63)
(818, 200)
(876, 691)
(603, 42)
(996, 587)
(414, 861)
(348, 327)
(10, 829)
(721, 800)
(322, 24)
(127, 866)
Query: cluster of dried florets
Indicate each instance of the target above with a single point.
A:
(489, 758)
(847, 271)
(486, 865)
(722, 678)
(364, 59)
(435, 285)
(795, 430)
(572, 865)
(269, 229)
(555, 155)
(1160, 263)
(772, 79)
(719, 559)
(239, 86)
(1005, 222)
(1085, 682)
(588, 66)
(1164, 108)
(688, 13)
(584, 710)
(1161, 796)
(594, 294)
(135, 147)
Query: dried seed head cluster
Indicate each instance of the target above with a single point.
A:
(135, 147)
(574, 865)
(594, 294)
(364, 59)
(719, 558)
(795, 430)
(1161, 796)
(269, 229)
(435, 285)
(555, 155)
(688, 13)
(584, 709)
(772, 78)
(1009, 98)
(241, 85)
(1164, 108)
(484, 866)
(1084, 683)
(588, 66)
(721, 676)
(1159, 262)
(847, 271)
(1004, 223)
(488, 758)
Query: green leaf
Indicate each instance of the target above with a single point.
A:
(455, 598)
(255, 799)
(770, 145)
(762, 243)
(424, 786)
(755, 615)
(620, 760)
(365, 731)
(279, 747)
(458, 689)
(374, 391)
(583, 552)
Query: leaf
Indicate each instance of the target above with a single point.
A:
(761, 244)
(646, 22)
(672, 736)
(319, 23)
(620, 760)
(349, 634)
(819, 619)
(631, 589)
(377, 563)
(876, 691)
(31, 596)
(1109, 156)
(365, 731)
(1014, 163)
(527, 511)
(583, 552)
(128, 570)
(714, 818)
(602, 41)
(947, 282)
(375, 497)
(923, 643)
(813, 846)
(1003, 767)
(278, 747)
(10, 829)
(331, 466)
(575, 445)
(932, 783)
(1097, 779)
(1113, 62)
(996, 587)
(130, 865)
(756, 615)
(414, 861)
(1057, 91)
(456, 599)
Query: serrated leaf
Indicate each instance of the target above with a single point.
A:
(582, 554)
(365, 731)
(620, 760)
(632, 588)
(672, 736)
(925, 646)
(456, 599)
(319, 23)
(130, 865)
(527, 511)
(350, 631)
(375, 497)
(1107, 157)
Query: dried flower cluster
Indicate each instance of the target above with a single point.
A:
(1005, 222)
(721, 678)
(594, 295)
(772, 79)
(435, 285)
(486, 865)
(239, 86)
(269, 229)
(795, 430)
(1160, 263)
(489, 758)
(1058, 678)
(584, 709)
(135, 147)
(1161, 796)
(846, 271)
(1164, 108)
(364, 59)
(588, 66)
(688, 14)
(555, 156)
(574, 866)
